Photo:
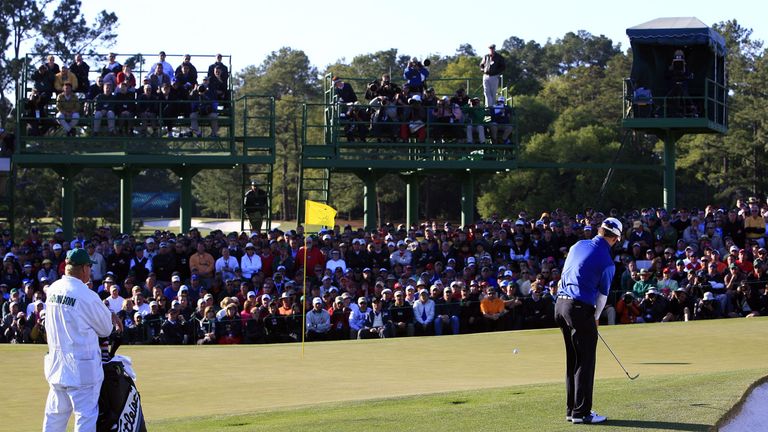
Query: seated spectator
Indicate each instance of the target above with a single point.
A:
(126, 76)
(43, 81)
(103, 106)
(383, 119)
(80, 68)
(169, 109)
(185, 76)
(628, 309)
(708, 307)
(203, 105)
(64, 77)
(475, 115)
(461, 98)
(446, 118)
(414, 120)
(424, 314)
(68, 107)
(158, 78)
(343, 91)
(229, 328)
(172, 330)
(147, 107)
(125, 109)
(493, 310)
(680, 306)
(206, 333)
(318, 322)
(653, 308)
(94, 90)
(378, 322)
(645, 283)
(538, 309)
(36, 114)
(501, 118)
(357, 315)
(447, 311)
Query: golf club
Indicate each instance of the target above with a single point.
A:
(617, 359)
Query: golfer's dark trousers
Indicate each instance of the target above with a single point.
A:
(577, 322)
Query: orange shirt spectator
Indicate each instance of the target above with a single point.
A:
(203, 262)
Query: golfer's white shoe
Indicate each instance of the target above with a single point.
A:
(570, 417)
(592, 418)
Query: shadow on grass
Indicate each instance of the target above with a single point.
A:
(664, 363)
(649, 424)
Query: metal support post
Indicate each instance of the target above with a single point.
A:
(669, 170)
(412, 184)
(468, 199)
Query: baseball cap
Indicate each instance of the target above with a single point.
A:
(613, 225)
(56, 247)
(79, 257)
(175, 278)
(317, 300)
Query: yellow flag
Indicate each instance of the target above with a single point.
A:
(316, 213)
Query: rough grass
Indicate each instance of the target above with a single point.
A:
(690, 374)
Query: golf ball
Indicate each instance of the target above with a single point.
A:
(515, 351)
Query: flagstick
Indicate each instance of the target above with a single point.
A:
(304, 304)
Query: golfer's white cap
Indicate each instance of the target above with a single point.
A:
(613, 225)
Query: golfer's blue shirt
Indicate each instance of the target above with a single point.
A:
(588, 270)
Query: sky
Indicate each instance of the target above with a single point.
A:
(328, 31)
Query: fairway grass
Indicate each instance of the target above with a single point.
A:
(690, 374)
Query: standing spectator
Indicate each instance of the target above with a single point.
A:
(255, 206)
(112, 66)
(416, 74)
(223, 70)
(80, 69)
(43, 80)
(141, 264)
(250, 263)
(68, 107)
(126, 76)
(492, 66)
(343, 91)
(167, 68)
(192, 70)
(314, 256)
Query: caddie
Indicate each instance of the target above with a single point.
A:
(75, 319)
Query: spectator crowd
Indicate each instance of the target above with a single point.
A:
(414, 111)
(129, 105)
(395, 281)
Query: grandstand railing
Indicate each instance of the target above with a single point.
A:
(245, 122)
(687, 109)
(330, 133)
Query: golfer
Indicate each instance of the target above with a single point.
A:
(75, 318)
(585, 281)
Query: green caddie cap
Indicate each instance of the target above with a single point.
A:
(79, 257)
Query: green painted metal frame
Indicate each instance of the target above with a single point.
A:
(185, 156)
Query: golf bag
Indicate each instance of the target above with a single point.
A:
(119, 400)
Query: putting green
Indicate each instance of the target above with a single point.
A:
(179, 382)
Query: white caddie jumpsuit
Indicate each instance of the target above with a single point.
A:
(75, 319)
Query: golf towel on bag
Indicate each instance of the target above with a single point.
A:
(119, 401)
